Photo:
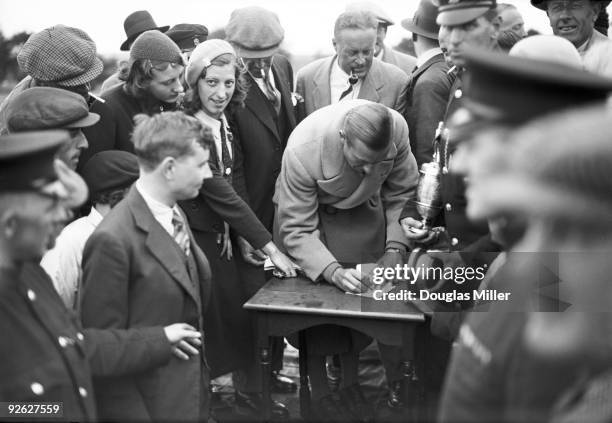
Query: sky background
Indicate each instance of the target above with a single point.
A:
(308, 24)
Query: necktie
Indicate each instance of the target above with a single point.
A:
(346, 92)
(180, 232)
(226, 159)
(272, 93)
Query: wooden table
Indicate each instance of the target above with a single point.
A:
(285, 306)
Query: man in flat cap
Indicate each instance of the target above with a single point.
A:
(491, 376)
(59, 56)
(352, 72)
(575, 20)
(430, 84)
(52, 108)
(108, 175)
(264, 125)
(382, 51)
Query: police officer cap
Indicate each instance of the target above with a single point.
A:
(26, 159)
(511, 89)
(459, 12)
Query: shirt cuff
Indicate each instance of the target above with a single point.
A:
(395, 244)
(329, 271)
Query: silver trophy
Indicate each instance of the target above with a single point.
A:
(428, 198)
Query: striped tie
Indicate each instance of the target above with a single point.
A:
(180, 232)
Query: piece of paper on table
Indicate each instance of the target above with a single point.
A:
(268, 265)
(365, 269)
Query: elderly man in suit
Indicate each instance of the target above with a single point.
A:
(353, 72)
(430, 83)
(142, 267)
(346, 174)
(575, 20)
(382, 51)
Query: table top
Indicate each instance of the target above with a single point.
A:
(302, 296)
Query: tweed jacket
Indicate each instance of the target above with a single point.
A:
(135, 276)
(262, 138)
(315, 178)
(385, 84)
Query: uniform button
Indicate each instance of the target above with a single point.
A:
(37, 388)
(228, 171)
(448, 207)
(31, 295)
(454, 241)
(82, 392)
(458, 93)
(62, 341)
(80, 336)
(445, 170)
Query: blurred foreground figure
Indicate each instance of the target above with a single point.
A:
(492, 376)
(565, 193)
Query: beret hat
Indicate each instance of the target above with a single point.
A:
(110, 170)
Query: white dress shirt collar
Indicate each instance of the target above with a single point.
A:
(423, 58)
(338, 83)
(161, 212)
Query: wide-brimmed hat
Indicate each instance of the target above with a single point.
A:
(188, 36)
(457, 12)
(424, 20)
(60, 54)
(367, 6)
(40, 108)
(135, 24)
(254, 32)
(541, 4)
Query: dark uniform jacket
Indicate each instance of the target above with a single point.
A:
(427, 98)
(135, 277)
(42, 353)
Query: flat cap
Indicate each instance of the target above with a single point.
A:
(154, 45)
(110, 170)
(458, 12)
(542, 4)
(60, 54)
(135, 24)
(26, 159)
(187, 36)
(368, 6)
(40, 108)
(424, 20)
(254, 32)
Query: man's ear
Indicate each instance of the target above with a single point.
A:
(335, 44)
(167, 167)
(596, 7)
(496, 24)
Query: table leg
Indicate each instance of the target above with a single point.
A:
(265, 361)
(410, 378)
(304, 385)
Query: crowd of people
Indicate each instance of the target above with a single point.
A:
(134, 224)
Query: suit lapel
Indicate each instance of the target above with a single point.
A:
(257, 103)
(160, 244)
(322, 91)
(281, 80)
(372, 83)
